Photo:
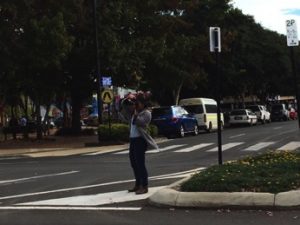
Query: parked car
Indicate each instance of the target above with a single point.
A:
(204, 110)
(243, 116)
(279, 112)
(174, 120)
(263, 115)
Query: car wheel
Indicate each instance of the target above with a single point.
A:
(209, 129)
(196, 130)
(181, 131)
(263, 121)
(251, 122)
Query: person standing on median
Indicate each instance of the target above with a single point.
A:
(140, 140)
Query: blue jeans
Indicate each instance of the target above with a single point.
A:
(137, 150)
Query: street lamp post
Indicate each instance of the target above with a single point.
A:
(97, 57)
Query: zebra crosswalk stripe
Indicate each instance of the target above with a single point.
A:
(166, 148)
(259, 146)
(193, 148)
(290, 146)
(226, 146)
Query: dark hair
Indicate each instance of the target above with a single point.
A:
(144, 98)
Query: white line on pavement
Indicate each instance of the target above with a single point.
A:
(259, 146)
(166, 148)
(70, 208)
(290, 146)
(37, 177)
(193, 148)
(165, 176)
(226, 146)
(277, 128)
(95, 199)
(103, 152)
(236, 136)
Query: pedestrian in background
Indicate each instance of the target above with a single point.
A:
(140, 141)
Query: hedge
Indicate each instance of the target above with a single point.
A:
(120, 132)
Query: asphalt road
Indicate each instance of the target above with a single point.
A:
(91, 189)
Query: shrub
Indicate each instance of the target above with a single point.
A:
(153, 130)
(272, 172)
(118, 132)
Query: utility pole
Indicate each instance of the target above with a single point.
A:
(97, 58)
(293, 41)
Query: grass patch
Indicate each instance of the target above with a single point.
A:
(271, 172)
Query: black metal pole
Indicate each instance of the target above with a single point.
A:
(98, 75)
(219, 108)
(294, 69)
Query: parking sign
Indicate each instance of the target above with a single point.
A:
(291, 33)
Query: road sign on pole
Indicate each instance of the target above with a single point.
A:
(215, 39)
(291, 33)
(292, 41)
(215, 47)
(107, 96)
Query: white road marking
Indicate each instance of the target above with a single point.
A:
(259, 146)
(166, 148)
(104, 151)
(193, 148)
(226, 146)
(164, 176)
(236, 136)
(95, 200)
(152, 151)
(290, 146)
(277, 128)
(37, 177)
(122, 152)
(70, 208)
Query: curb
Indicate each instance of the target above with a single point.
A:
(170, 196)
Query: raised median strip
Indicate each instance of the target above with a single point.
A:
(171, 196)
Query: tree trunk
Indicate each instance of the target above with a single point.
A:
(39, 132)
(76, 106)
(176, 93)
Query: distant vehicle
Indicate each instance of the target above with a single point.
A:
(263, 115)
(205, 112)
(293, 114)
(243, 116)
(279, 112)
(174, 120)
(91, 120)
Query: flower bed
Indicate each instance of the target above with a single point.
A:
(272, 172)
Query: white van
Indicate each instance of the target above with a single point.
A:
(204, 110)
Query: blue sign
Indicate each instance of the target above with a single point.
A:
(106, 81)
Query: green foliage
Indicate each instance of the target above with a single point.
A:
(272, 172)
(118, 132)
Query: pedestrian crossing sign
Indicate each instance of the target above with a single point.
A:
(107, 96)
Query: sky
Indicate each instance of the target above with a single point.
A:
(271, 14)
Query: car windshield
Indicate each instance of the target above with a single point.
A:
(157, 112)
(254, 108)
(195, 109)
(238, 112)
(277, 107)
